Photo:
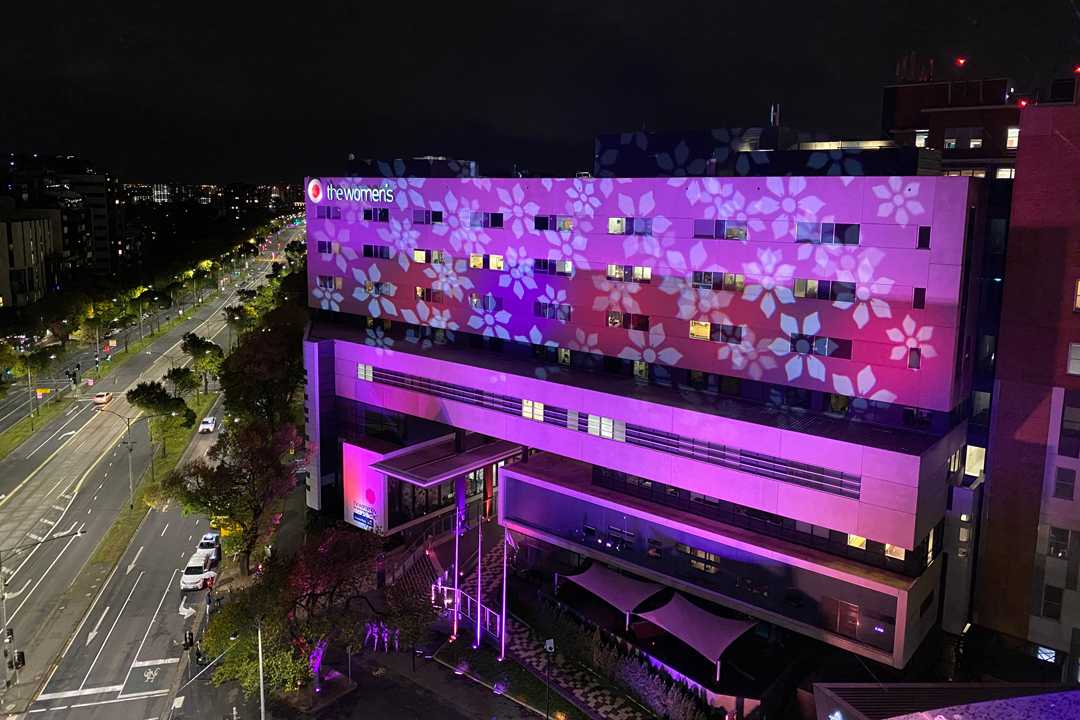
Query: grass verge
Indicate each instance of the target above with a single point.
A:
(520, 684)
(176, 439)
(17, 434)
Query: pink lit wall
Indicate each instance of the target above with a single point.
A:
(886, 268)
(365, 489)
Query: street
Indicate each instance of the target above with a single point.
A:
(73, 475)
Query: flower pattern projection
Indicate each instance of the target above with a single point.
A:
(648, 346)
(868, 288)
(490, 323)
(797, 344)
(450, 278)
(765, 310)
(402, 237)
(899, 200)
(457, 222)
(519, 276)
(407, 189)
(582, 198)
(377, 338)
(863, 387)
(374, 294)
(786, 204)
(679, 163)
(769, 281)
(911, 337)
(615, 295)
(518, 213)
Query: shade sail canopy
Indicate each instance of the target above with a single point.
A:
(709, 634)
(615, 589)
(432, 463)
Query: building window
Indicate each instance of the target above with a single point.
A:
(326, 282)
(552, 311)
(629, 226)
(429, 295)
(1074, 359)
(924, 238)
(827, 233)
(975, 143)
(1003, 173)
(1069, 434)
(950, 143)
(377, 251)
(1045, 654)
(856, 541)
(614, 318)
(1058, 543)
(965, 534)
(490, 262)
(616, 226)
(487, 302)
(629, 273)
(895, 552)
(975, 461)
(1065, 483)
(720, 229)
(1052, 597)
(561, 223)
(641, 370)
(421, 256)
(914, 358)
(564, 357)
(921, 137)
(700, 329)
(324, 247)
(1012, 138)
(427, 217)
(363, 372)
(553, 267)
(918, 298)
(734, 282)
(704, 280)
(607, 428)
(532, 410)
(377, 214)
(486, 219)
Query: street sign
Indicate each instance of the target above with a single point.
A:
(112, 343)
(88, 382)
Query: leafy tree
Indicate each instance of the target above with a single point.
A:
(296, 252)
(184, 381)
(33, 364)
(239, 318)
(153, 399)
(7, 361)
(233, 627)
(411, 613)
(243, 476)
(261, 376)
(206, 357)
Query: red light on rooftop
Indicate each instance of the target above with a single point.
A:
(1077, 69)
(1023, 103)
(960, 61)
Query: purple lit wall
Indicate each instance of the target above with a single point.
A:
(886, 268)
(365, 489)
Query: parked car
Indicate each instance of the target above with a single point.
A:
(210, 546)
(102, 398)
(197, 573)
(208, 425)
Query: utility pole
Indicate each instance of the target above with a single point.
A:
(30, 389)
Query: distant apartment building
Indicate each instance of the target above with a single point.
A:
(29, 246)
(754, 390)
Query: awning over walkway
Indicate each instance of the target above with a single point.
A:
(709, 634)
(615, 589)
(431, 464)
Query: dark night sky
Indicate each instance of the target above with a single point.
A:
(232, 90)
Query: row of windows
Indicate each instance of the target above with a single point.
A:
(818, 345)
(629, 273)
(705, 280)
(377, 251)
(630, 321)
(329, 282)
(1001, 173)
(827, 233)
(717, 332)
(429, 295)
(553, 267)
(562, 223)
(328, 212)
(427, 217)
(552, 311)
(969, 138)
(377, 214)
(720, 229)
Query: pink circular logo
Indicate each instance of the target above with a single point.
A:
(314, 190)
(369, 495)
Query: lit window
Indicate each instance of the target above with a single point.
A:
(642, 274)
(476, 262)
(964, 517)
(1058, 543)
(975, 461)
(950, 143)
(700, 329)
(1005, 173)
(615, 272)
(975, 143)
(1045, 654)
(920, 138)
(564, 358)
(894, 551)
(419, 256)
(614, 318)
(1012, 138)
(363, 372)
(965, 534)
(495, 262)
(532, 410)
(1074, 359)
(641, 370)
(856, 541)
(438, 257)
(616, 226)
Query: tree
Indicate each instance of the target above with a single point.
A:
(239, 318)
(153, 399)
(243, 476)
(206, 357)
(411, 613)
(296, 252)
(184, 381)
(261, 376)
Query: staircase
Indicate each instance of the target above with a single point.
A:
(490, 575)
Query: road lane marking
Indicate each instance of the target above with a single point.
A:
(111, 628)
(152, 663)
(128, 696)
(43, 576)
(80, 693)
(34, 537)
(131, 565)
(58, 431)
(93, 633)
(150, 625)
(17, 594)
(164, 529)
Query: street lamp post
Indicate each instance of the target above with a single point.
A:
(10, 655)
(130, 443)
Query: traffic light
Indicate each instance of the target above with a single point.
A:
(189, 640)
(20, 659)
(9, 635)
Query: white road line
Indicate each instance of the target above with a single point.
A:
(80, 693)
(43, 576)
(47, 521)
(123, 698)
(49, 439)
(164, 529)
(34, 537)
(150, 625)
(93, 633)
(113, 627)
(61, 508)
(17, 594)
(152, 663)
(69, 530)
